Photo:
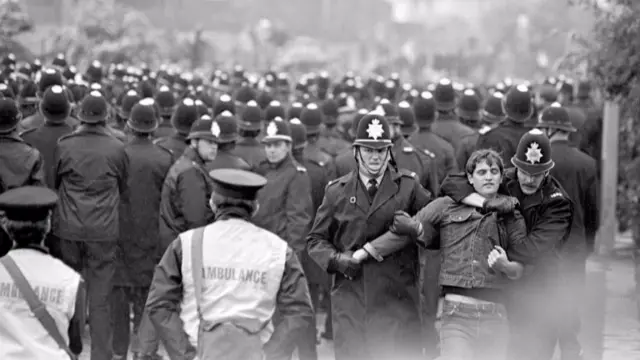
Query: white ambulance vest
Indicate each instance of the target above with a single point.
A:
(242, 270)
(21, 334)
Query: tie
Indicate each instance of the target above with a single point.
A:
(373, 188)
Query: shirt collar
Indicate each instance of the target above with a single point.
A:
(365, 179)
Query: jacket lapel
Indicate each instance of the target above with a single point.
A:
(356, 192)
(386, 191)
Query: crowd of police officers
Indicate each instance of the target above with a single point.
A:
(129, 151)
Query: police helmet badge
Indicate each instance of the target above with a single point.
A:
(215, 128)
(375, 129)
(272, 129)
(534, 153)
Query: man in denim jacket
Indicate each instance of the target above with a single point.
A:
(475, 267)
(533, 301)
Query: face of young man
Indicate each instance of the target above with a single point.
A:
(486, 179)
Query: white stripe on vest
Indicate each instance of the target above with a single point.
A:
(242, 268)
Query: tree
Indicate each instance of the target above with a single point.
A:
(612, 52)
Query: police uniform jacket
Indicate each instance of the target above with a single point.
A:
(467, 147)
(375, 315)
(185, 197)
(45, 139)
(451, 129)
(332, 143)
(37, 120)
(285, 202)
(227, 160)
(318, 176)
(91, 175)
(175, 143)
(577, 174)
(345, 163)
(504, 139)
(248, 274)
(422, 163)
(445, 159)
(251, 150)
(21, 164)
(314, 153)
(164, 129)
(548, 214)
(62, 291)
(140, 210)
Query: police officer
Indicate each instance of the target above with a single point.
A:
(166, 104)
(534, 302)
(518, 108)
(123, 108)
(577, 173)
(25, 213)
(468, 111)
(148, 167)
(311, 118)
(249, 273)
(405, 155)
(55, 108)
(424, 109)
(91, 178)
(447, 124)
(375, 309)
(330, 140)
(225, 127)
(48, 77)
(185, 114)
(286, 199)
(186, 188)
(248, 147)
(22, 164)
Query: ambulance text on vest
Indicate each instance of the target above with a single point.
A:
(45, 294)
(233, 274)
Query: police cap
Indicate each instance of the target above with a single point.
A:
(237, 184)
(28, 203)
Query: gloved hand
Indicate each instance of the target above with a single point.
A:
(346, 264)
(404, 225)
(501, 204)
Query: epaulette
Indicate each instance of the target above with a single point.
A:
(407, 149)
(164, 149)
(317, 162)
(429, 153)
(556, 194)
(341, 180)
(27, 131)
(485, 129)
(332, 182)
(301, 169)
(407, 173)
(157, 141)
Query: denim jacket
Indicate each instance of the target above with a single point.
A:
(466, 237)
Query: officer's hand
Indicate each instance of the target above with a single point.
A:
(347, 264)
(501, 204)
(404, 225)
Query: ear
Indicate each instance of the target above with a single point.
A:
(470, 178)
